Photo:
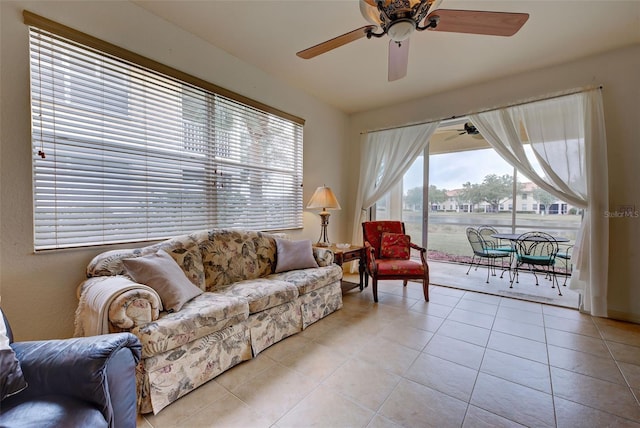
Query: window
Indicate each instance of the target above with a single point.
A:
(124, 153)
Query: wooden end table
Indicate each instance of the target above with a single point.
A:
(344, 255)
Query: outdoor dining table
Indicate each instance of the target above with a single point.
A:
(515, 236)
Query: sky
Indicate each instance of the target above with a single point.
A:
(451, 170)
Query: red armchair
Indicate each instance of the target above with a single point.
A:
(387, 252)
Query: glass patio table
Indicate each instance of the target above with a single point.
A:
(515, 236)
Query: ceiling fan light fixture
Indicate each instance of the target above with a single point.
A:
(401, 29)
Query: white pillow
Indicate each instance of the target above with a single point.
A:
(161, 272)
(294, 255)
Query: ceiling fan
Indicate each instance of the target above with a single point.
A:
(400, 18)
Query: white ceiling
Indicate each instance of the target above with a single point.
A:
(353, 78)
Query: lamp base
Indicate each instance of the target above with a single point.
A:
(324, 238)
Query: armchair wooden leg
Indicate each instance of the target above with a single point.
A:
(374, 286)
(425, 289)
(404, 283)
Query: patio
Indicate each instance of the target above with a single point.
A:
(453, 275)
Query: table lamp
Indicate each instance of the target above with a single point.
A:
(324, 199)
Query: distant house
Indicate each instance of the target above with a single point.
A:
(525, 202)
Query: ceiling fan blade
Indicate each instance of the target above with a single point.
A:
(478, 22)
(398, 59)
(336, 42)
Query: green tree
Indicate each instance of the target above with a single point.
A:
(496, 188)
(413, 198)
(437, 196)
(543, 197)
(470, 193)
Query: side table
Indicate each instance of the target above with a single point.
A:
(344, 255)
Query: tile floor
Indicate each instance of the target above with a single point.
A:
(464, 359)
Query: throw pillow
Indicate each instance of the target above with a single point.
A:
(11, 377)
(161, 272)
(294, 255)
(395, 246)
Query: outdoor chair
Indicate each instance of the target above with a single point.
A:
(537, 250)
(388, 255)
(564, 253)
(484, 250)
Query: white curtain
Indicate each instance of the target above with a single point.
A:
(385, 158)
(567, 135)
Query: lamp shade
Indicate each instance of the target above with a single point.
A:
(324, 199)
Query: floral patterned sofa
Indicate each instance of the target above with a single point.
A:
(244, 308)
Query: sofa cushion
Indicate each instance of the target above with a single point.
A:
(207, 313)
(261, 293)
(161, 272)
(51, 411)
(308, 280)
(293, 255)
(229, 256)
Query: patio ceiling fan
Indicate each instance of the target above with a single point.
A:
(399, 19)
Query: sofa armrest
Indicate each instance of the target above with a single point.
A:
(323, 256)
(97, 369)
(110, 304)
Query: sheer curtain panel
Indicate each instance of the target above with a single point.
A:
(385, 158)
(567, 135)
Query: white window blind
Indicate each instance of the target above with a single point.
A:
(122, 153)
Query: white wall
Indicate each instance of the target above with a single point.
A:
(38, 290)
(619, 73)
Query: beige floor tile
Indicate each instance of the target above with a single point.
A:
(394, 300)
(244, 372)
(388, 355)
(444, 299)
(229, 412)
(517, 369)
(596, 393)
(473, 318)
(466, 332)
(449, 291)
(586, 364)
(444, 376)
(274, 392)
(479, 418)
(521, 329)
(348, 340)
(473, 305)
(631, 373)
(456, 351)
(417, 320)
(577, 342)
(625, 353)
(141, 422)
(522, 305)
(408, 336)
(567, 313)
(518, 346)
(512, 401)
(519, 315)
(415, 405)
(176, 413)
(326, 408)
(382, 422)
(316, 361)
(579, 326)
(571, 415)
(618, 331)
(363, 382)
(431, 308)
(481, 297)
